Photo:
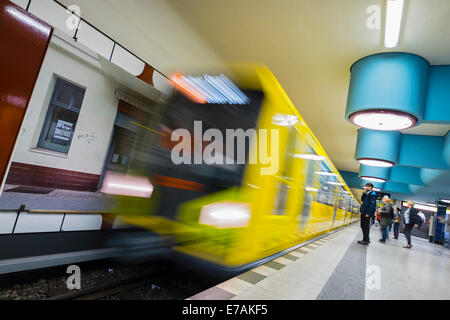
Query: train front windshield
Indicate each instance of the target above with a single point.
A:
(177, 182)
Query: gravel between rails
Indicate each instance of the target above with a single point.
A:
(166, 281)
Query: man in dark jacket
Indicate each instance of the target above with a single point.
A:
(368, 207)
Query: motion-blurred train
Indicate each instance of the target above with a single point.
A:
(221, 206)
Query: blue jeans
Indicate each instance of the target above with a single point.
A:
(396, 227)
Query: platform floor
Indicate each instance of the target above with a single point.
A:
(337, 268)
(57, 199)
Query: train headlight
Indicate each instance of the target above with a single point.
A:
(226, 214)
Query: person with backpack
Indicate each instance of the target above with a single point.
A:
(410, 219)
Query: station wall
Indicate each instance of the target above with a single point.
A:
(93, 129)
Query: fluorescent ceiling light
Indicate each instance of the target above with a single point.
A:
(373, 179)
(383, 120)
(445, 200)
(376, 163)
(426, 208)
(377, 189)
(309, 189)
(325, 173)
(313, 157)
(394, 13)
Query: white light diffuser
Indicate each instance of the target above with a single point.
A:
(376, 163)
(394, 14)
(383, 120)
(373, 179)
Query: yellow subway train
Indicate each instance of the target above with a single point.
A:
(230, 171)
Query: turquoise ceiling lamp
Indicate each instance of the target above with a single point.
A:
(388, 91)
(377, 148)
(374, 174)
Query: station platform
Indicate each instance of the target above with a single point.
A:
(336, 267)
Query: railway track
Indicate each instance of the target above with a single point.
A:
(109, 289)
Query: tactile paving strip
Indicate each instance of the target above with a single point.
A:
(348, 279)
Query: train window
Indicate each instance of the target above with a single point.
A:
(289, 154)
(62, 117)
(182, 113)
(326, 194)
(281, 199)
(286, 173)
(342, 199)
(310, 191)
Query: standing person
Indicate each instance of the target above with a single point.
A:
(386, 213)
(397, 220)
(410, 218)
(368, 207)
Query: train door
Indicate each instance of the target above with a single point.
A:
(285, 189)
(274, 198)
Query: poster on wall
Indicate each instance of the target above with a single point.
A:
(63, 130)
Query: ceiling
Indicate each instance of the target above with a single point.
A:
(308, 45)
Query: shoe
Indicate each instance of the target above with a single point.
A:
(407, 246)
(363, 243)
(381, 240)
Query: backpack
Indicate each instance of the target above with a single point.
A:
(415, 218)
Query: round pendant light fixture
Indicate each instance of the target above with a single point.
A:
(374, 179)
(374, 174)
(383, 120)
(377, 148)
(388, 91)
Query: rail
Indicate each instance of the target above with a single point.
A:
(109, 289)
